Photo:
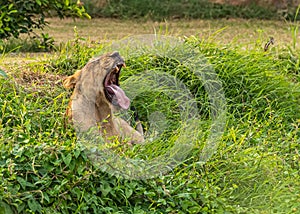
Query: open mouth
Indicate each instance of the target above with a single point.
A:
(113, 92)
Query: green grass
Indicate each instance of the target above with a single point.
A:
(255, 169)
(43, 43)
(171, 9)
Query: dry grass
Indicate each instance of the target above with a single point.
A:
(225, 31)
(237, 30)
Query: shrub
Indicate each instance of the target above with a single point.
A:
(24, 16)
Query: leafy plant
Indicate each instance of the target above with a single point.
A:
(47, 42)
(29, 44)
(22, 17)
(73, 55)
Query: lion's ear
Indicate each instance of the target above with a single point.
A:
(71, 81)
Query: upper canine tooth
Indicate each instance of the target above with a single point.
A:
(117, 69)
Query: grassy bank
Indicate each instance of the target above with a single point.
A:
(254, 170)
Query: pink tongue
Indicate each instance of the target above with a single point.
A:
(120, 97)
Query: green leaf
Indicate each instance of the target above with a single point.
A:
(24, 183)
(46, 197)
(105, 189)
(67, 159)
(34, 205)
(5, 208)
(12, 11)
(38, 2)
(10, 6)
(77, 153)
(128, 192)
(2, 73)
(162, 201)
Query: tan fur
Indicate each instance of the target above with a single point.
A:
(70, 81)
(89, 108)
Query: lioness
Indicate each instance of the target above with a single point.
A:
(97, 95)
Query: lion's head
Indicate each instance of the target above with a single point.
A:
(101, 77)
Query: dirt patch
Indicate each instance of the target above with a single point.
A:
(36, 79)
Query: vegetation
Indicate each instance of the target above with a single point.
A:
(255, 169)
(45, 168)
(19, 17)
(174, 9)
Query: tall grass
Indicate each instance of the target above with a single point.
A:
(254, 170)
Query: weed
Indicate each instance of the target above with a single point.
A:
(28, 44)
(73, 55)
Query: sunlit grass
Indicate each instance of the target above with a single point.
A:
(254, 170)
